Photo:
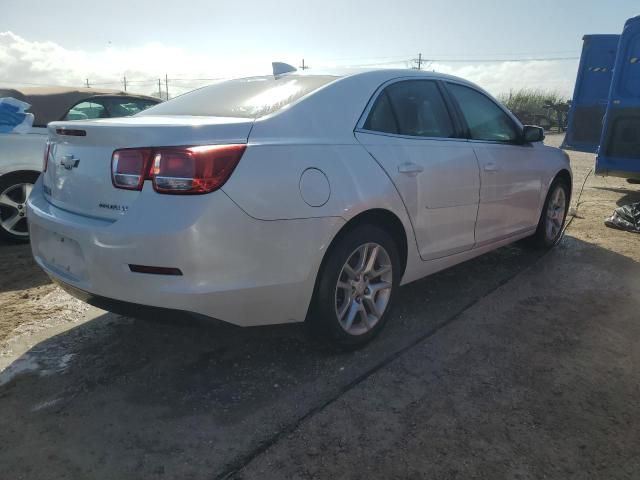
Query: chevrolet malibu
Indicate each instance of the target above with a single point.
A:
(292, 197)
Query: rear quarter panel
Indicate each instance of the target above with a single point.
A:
(266, 185)
(22, 151)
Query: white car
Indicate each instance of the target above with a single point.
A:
(21, 154)
(292, 197)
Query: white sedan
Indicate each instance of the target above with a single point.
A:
(292, 197)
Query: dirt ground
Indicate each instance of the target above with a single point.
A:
(517, 364)
(28, 300)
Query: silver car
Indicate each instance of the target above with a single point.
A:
(292, 197)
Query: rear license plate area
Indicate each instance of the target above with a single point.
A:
(62, 254)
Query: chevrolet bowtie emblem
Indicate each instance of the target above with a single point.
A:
(69, 162)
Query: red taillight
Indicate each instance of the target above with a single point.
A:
(177, 170)
(45, 158)
(129, 167)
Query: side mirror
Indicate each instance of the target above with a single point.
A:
(531, 134)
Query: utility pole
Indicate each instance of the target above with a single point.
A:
(88, 86)
(166, 85)
(419, 61)
(159, 90)
(303, 66)
(124, 79)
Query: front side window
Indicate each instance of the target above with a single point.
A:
(485, 119)
(412, 107)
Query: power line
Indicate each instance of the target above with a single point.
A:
(464, 55)
(498, 60)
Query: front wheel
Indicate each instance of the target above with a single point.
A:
(553, 216)
(14, 191)
(356, 286)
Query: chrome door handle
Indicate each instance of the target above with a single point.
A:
(490, 167)
(410, 168)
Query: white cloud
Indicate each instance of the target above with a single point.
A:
(502, 77)
(28, 62)
(24, 62)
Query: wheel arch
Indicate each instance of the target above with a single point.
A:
(564, 175)
(19, 172)
(380, 217)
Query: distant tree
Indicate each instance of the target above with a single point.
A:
(531, 100)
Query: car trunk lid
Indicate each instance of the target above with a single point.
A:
(78, 176)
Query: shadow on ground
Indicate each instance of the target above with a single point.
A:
(124, 398)
(18, 270)
(630, 195)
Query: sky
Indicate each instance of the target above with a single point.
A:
(195, 41)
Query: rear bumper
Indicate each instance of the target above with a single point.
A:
(235, 268)
(124, 308)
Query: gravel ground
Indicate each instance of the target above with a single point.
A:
(513, 365)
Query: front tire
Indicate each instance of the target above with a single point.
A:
(14, 191)
(356, 286)
(553, 216)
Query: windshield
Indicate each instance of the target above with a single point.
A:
(246, 97)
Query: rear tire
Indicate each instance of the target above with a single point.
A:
(14, 191)
(356, 286)
(553, 216)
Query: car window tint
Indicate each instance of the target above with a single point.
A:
(420, 109)
(485, 119)
(381, 118)
(86, 111)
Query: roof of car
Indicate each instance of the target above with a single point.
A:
(378, 72)
(49, 104)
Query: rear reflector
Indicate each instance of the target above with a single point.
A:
(71, 132)
(45, 159)
(155, 270)
(175, 170)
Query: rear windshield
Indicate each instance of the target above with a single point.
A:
(245, 98)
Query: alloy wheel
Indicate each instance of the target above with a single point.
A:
(363, 290)
(555, 213)
(13, 209)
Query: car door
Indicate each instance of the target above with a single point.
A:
(410, 132)
(510, 176)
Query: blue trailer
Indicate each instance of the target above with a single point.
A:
(591, 93)
(619, 152)
(605, 113)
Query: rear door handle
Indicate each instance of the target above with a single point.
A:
(490, 167)
(410, 168)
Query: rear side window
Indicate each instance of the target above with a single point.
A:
(485, 119)
(414, 108)
(382, 118)
(245, 97)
